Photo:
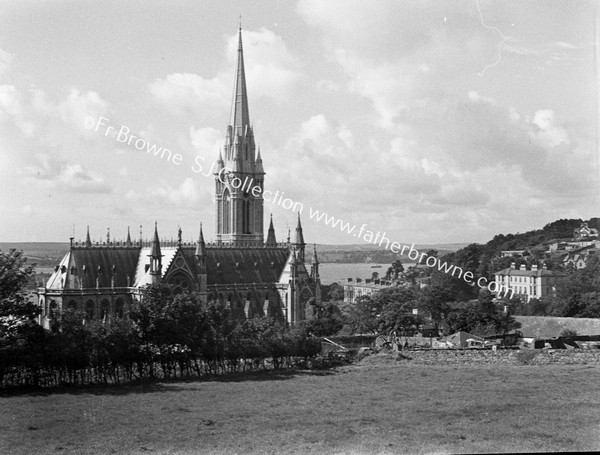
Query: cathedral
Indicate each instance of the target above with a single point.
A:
(240, 270)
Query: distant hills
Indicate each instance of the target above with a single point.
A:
(360, 253)
(44, 254)
(48, 254)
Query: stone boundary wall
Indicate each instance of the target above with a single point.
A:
(510, 357)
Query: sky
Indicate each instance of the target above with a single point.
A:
(432, 121)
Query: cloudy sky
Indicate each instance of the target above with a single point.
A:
(442, 121)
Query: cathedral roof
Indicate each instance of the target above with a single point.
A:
(95, 266)
(229, 265)
(105, 267)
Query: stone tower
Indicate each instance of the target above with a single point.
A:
(240, 174)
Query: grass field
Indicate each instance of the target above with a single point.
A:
(377, 406)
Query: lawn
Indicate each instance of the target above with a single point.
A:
(378, 406)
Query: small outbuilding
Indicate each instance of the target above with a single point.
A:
(461, 339)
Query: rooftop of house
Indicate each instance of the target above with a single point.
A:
(533, 272)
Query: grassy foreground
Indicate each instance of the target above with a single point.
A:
(378, 406)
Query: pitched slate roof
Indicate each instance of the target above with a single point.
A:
(227, 265)
(91, 266)
(142, 275)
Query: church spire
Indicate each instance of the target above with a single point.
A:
(259, 164)
(155, 251)
(201, 245)
(299, 235)
(155, 257)
(240, 118)
(315, 259)
(88, 242)
(128, 241)
(271, 241)
(239, 210)
(299, 244)
(315, 265)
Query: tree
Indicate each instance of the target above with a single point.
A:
(397, 268)
(332, 292)
(436, 302)
(328, 320)
(469, 317)
(398, 317)
(361, 316)
(22, 340)
(578, 294)
(14, 275)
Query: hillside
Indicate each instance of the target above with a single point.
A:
(560, 229)
(44, 254)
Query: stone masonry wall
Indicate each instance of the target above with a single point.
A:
(511, 357)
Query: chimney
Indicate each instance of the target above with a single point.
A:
(533, 267)
(544, 266)
(523, 267)
(512, 265)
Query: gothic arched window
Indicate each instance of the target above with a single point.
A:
(104, 310)
(246, 214)
(89, 310)
(181, 282)
(226, 212)
(119, 305)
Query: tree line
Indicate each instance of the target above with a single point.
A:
(165, 335)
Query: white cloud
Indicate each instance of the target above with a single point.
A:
(188, 192)
(206, 140)
(186, 92)
(67, 176)
(5, 61)
(77, 107)
(12, 110)
(314, 128)
(548, 134)
(327, 85)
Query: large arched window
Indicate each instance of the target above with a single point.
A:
(226, 212)
(246, 214)
(119, 308)
(104, 310)
(72, 305)
(89, 310)
(181, 281)
(53, 307)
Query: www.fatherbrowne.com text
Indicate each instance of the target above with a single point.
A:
(123, 135)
